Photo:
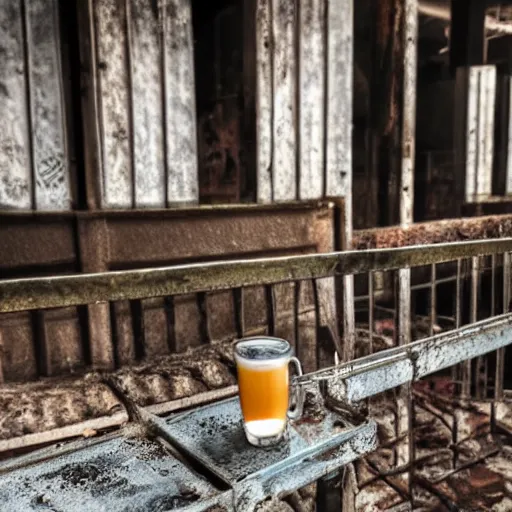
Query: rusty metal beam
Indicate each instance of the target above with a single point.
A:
(61, 291)
(391, 368)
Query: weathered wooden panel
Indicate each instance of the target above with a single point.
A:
(264, 104)
(284, 145)
(144, 31)
(311, 106)
(15, 159)
(339, 101)
(180, 113)
(49, 145)
(114, 101)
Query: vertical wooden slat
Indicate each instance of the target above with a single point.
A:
(15, 161)
(311, 106)
(339, 103)
(264, 105)
(46, 96)
(338, 177)
(284, 171)
(114, 100)
(180, 109)
(147, 103)
(405, 408)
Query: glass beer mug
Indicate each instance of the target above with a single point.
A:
(264, 387)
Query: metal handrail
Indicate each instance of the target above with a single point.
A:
(82, 289)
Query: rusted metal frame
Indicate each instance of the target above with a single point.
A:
(466, 368)
(61, 291)
(482, 362)
(416, 287)
(500, 355)
(433, 299)
(456, 369)
(391, 368)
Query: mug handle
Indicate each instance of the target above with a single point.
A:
(297, 393)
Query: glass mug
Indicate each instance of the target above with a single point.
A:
(264, 388)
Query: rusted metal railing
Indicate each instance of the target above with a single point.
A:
(334, 392)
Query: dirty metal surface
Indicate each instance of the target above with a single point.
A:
(125, 472)
(47, 292)
(320, 442)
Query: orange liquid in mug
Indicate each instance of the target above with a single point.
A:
(264, 397)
